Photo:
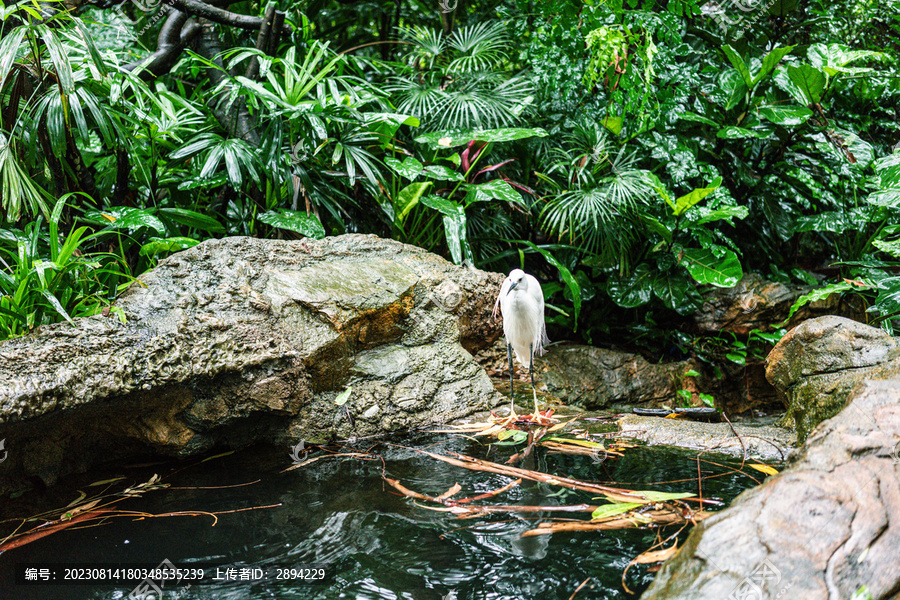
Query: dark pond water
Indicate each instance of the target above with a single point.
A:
(372, 543)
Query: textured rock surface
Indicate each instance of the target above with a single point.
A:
(239, 340)
(821, 529)
(819, 362)
(763, 442)
(755, 303)
(599, 378)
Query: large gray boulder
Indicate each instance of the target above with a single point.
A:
(824, 528)
(756, 303)
(597, 378)
(240, 340)
(820, 361)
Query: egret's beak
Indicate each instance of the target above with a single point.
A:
(511, 286)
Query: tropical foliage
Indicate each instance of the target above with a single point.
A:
(634, 155)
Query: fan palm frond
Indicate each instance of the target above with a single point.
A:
(481, 47)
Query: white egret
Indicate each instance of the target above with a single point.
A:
(521, 302)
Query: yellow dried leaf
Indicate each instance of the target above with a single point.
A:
(763, 468)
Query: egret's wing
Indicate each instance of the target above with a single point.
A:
(534, 288)
(503, 291)
(540, 350)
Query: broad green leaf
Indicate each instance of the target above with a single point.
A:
(88, 40)
(460, 137)
(207, 183)
(676, 292)
(193, 219)
(783, 81)
(497, 189)
(612, 510)
(634, 289)
(455, 232)
(705, 266)
(614, 124)
(719, 214)
(889, 198)
(126, 217)
(442, 205)
(815, 296)
(770, 61)
(832, 221)
(887, 303)
(516, 436)
(443, 173)
(891, 247)
(410, 168)
(887, 171)
(408, 198)
(173, 244)
(689, 116)
(738, 63)
(385, 125)
(736, 133)
(832, 58)
(731, 90)
(688, 200)
(59, 58)
(293, 220)
(9, 51)
(565, 275)
(786, 115)
(658, 228)
(809, 80)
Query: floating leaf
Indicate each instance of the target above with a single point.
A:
(763, 468)
(611, 510)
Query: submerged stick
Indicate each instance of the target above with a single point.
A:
(474, 464)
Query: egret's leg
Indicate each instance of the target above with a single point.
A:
(512, 403)
(531, 368)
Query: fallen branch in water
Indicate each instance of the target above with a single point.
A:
(308, 461)
(616, 494)
(660, 517)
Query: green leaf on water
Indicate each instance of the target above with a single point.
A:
(611, 510)
(655, 496)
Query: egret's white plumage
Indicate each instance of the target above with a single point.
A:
(521, 302)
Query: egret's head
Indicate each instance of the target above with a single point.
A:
(517, 280)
